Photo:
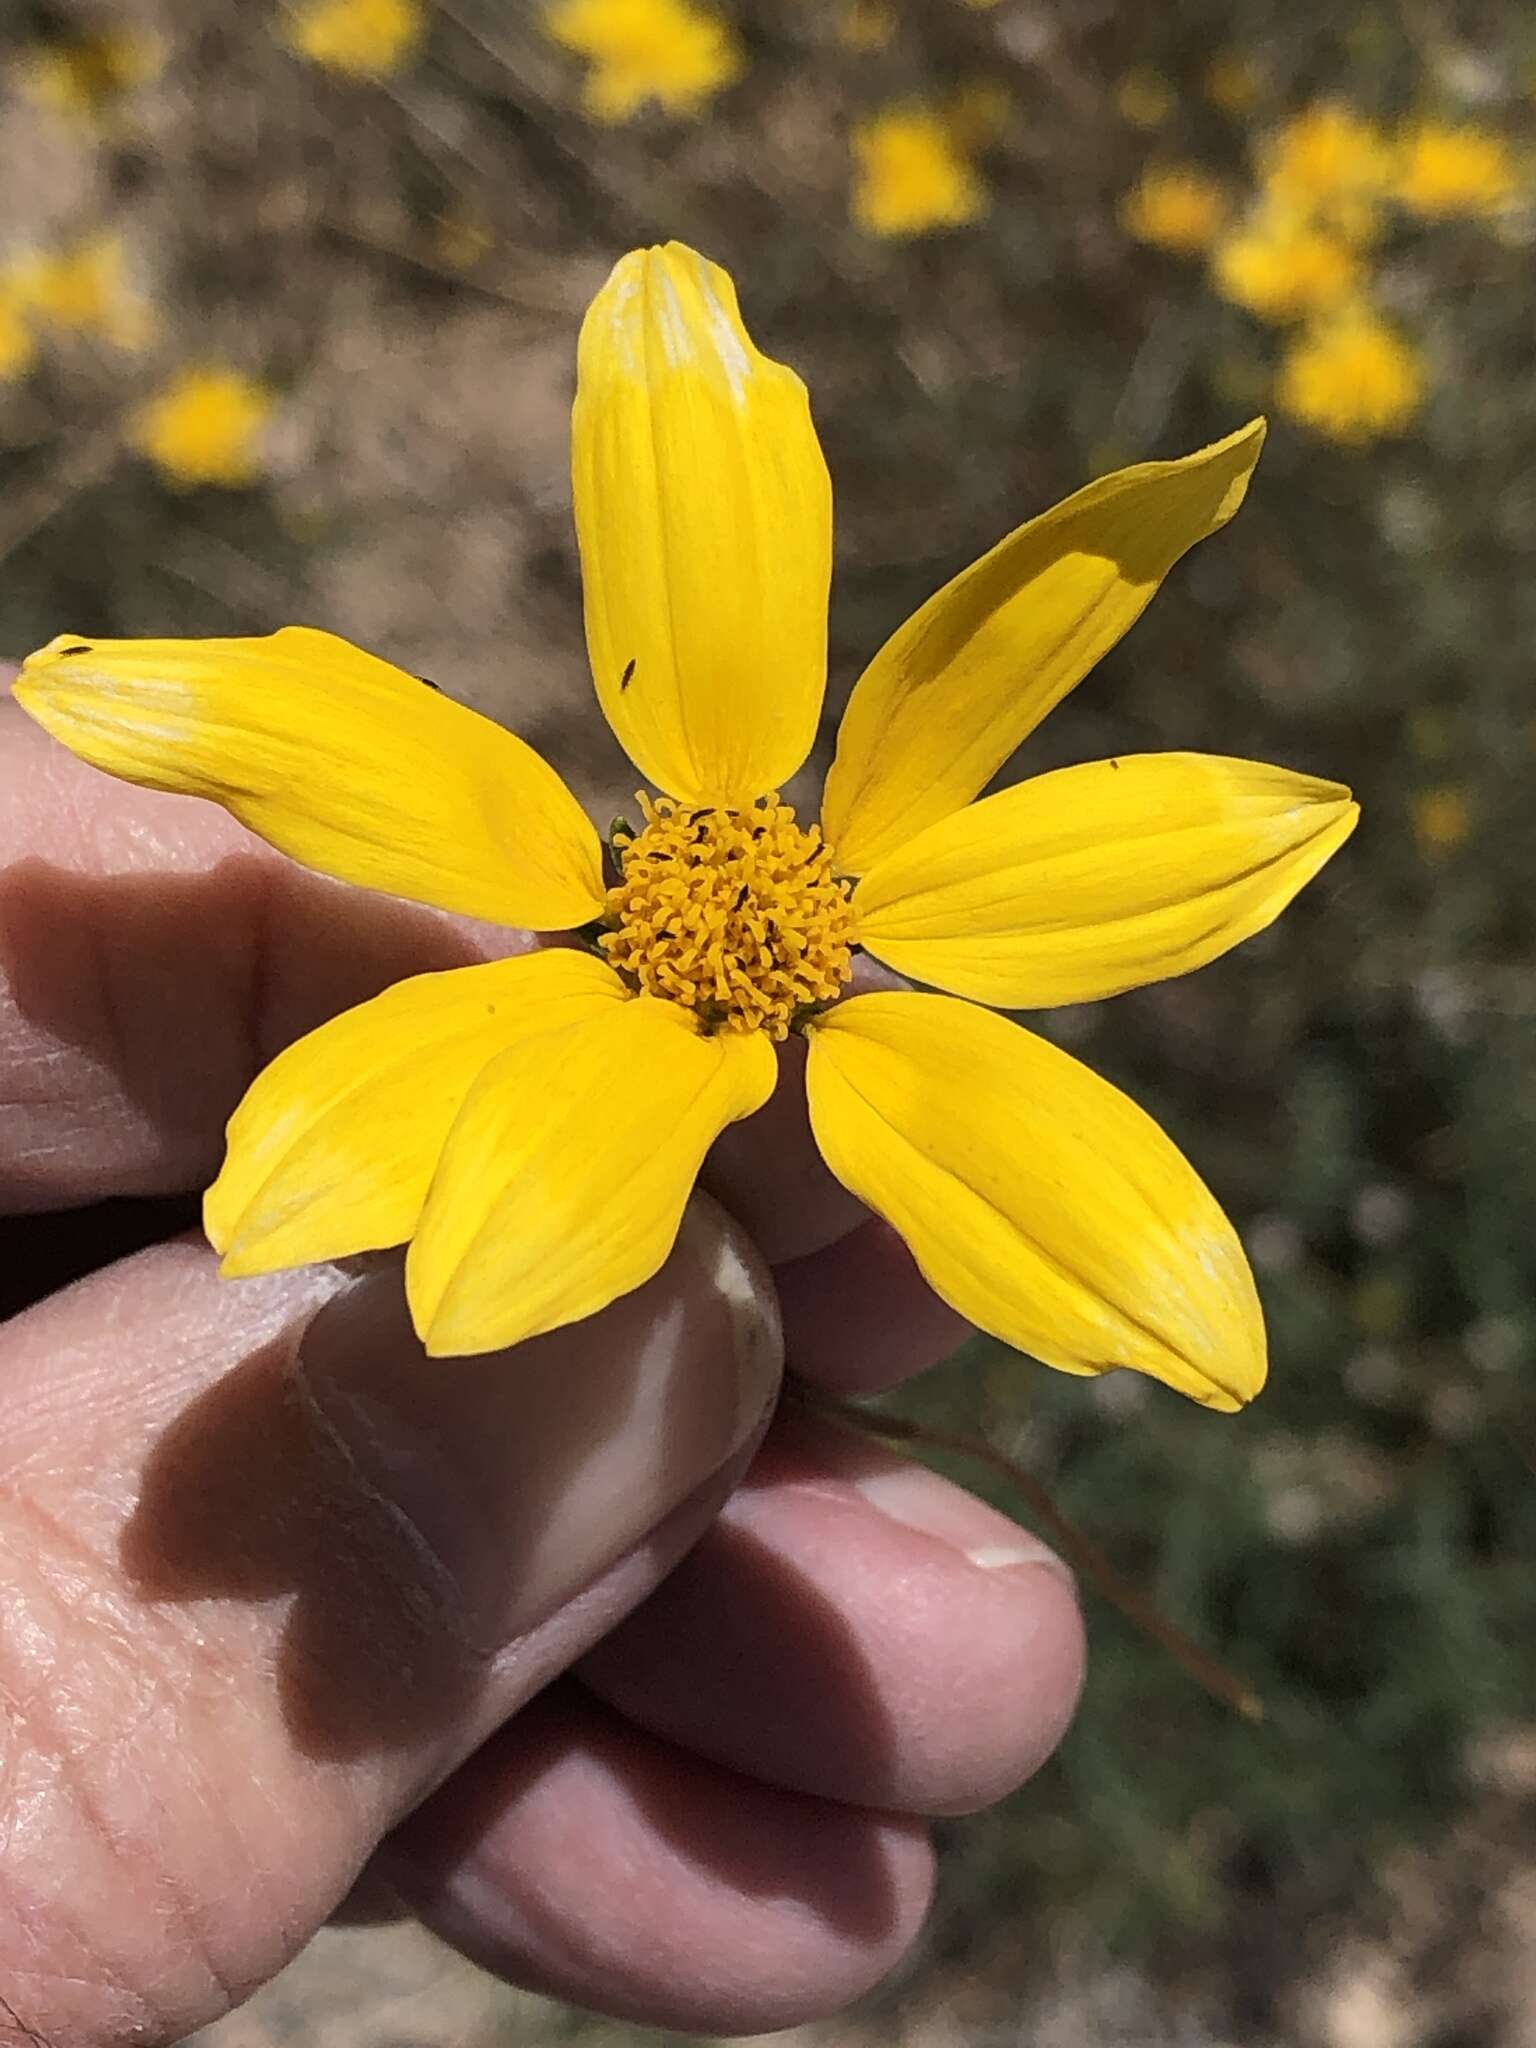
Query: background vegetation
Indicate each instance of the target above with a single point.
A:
(374, 252)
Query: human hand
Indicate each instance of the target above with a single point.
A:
(284, 1599)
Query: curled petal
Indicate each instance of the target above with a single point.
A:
(335, 758)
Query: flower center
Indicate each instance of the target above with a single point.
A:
(736, 915)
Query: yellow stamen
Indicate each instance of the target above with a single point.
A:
(737, 915)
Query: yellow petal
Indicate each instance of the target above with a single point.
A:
(1038, 1201)
(969, 676)
(564, 1179)
(335, 758)
(1097, 879)
(335, 1144)
(704, 513)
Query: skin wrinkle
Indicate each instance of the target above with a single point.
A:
(9, 2013)
(40, 1735)
(188, 1933)
(443, 1591)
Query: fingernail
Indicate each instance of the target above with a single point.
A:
(528, 1472)
(919, 1499)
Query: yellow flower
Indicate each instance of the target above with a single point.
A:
(1329, 163)
(670, 51)
(18, 343)
(205, 427)
(363, 38)
(1282, 267)
(532, 1126)
(1233, 83)
(1442, 818)
(1177, 207)
(1144, 98)
(462, 238)
(866, 25)
(84, 289)
(913, 176)
(1448, 170)
(1354, 379)
(84, 76)
(976, 113)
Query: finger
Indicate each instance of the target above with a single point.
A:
(768, 1172)
(153, 956)
(859, 1317)
(856, 1627)
(583, 1859)
(271, 1574)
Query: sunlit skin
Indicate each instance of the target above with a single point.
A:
(456, 1113)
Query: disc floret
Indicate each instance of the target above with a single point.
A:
(735, 914)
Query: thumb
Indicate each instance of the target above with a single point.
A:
(272, 1574)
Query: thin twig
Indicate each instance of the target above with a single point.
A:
(1080, 1551)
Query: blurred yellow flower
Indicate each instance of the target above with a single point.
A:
(84, 76)
(1177, 207)
(1446, 170)
(205, 427)
(18, 344)
(1329, 162)
(976, 113)
(1233, 83)
(866, 25)
(363, 38)
(84, 289)
(670, 51)
(461, 239)
(1353, 380)
(1280, 266)
(1442, 818)
(1144, 98)
(913, 176)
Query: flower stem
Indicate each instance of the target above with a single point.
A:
(1081, 1552)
